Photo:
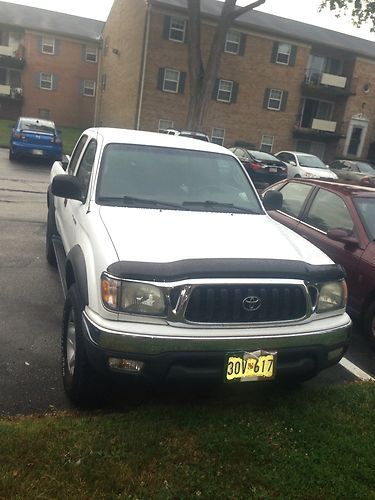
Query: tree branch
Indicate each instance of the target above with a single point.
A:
(246, 8)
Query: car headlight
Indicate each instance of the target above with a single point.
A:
(132, 297)
(310, 176)
(332, 296)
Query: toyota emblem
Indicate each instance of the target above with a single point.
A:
(251, 303)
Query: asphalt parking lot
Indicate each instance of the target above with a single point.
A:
(31, 301)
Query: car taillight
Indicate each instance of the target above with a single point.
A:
(255, 165)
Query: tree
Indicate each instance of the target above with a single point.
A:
(202, 76)
(361, 11)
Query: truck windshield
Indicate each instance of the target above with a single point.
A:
(136, 175)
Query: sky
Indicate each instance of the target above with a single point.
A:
(300, 10)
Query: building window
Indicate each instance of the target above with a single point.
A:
(232, 42)
(48, 45)
(89, 88)
(46, 81)
(177, 29)
(224, 92)
(275, 99)
(283, 53)
(91, 54)
(164, 125)
(267, 143)
(171, 80)
(44, 113)
(218, 135)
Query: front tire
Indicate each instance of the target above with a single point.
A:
(369, 324)
(81, 382)
(12, 156)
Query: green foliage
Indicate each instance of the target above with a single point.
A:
(255, 442)
(361, 11)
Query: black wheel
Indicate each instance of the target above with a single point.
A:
(50, 231)
(297, 176)
(81, 382)
(369, 323)
(11, 155)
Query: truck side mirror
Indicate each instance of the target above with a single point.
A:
(67, 186)
(273, 200)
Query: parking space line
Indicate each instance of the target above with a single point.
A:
(355, 370)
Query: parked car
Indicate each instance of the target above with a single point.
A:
(354, 171)
(187, 133)
(264, 168)
(172, 269)
(35, 137)
(340, 220)
(305, 165)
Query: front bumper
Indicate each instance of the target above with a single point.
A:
(181, 353)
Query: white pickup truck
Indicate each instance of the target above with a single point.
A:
(172, 269)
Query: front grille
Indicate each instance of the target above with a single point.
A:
(225, 304)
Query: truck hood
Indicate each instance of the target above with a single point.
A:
(149, 235)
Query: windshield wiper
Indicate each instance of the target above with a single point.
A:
(230, 207)
(133, 200)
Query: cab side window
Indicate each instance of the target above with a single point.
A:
(76, 154)
(294, 197)
(328, 211)
(85, 167)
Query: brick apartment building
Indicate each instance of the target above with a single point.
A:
(282, 84)
(48, 65)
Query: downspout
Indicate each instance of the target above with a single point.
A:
(99, 90)
(144, 62)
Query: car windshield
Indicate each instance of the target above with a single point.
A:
(310, 161)
(365, 168)
(39, 125)
(157, 177)
(366, 209)
(261, 155)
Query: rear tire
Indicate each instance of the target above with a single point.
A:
(82, 383)
(369, 324)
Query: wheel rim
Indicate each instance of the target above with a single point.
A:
(71, 343)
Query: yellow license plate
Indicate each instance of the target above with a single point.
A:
(250, 366)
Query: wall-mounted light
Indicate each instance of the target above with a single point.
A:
(116, 51)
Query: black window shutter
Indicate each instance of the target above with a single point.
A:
(275, 49)
(242, 48)
(293, 55)
(216, 89)
(161, 78)
(284, 100)
(234, 92)
(167, 24)
(181, 83)
(266, 98)
(186, 36)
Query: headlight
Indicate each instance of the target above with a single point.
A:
(311, 176)
(332, 296)
(132, 297)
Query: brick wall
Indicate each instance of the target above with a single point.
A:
(66, 104)
(121, 63)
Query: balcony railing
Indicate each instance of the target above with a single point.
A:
(328, 82)
(316, 128)
(12, 57)
(11, 92)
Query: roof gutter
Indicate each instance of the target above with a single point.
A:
(146, 36)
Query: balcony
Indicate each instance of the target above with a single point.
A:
(327, 84)
(319, 130)
(11, 93)
(12, 57)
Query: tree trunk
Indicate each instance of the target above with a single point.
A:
(202, 80)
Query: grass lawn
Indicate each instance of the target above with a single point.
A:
(69, 135)
(307, 443)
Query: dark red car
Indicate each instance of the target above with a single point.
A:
(340, 220)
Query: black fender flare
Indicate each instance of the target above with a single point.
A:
(75, 272)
